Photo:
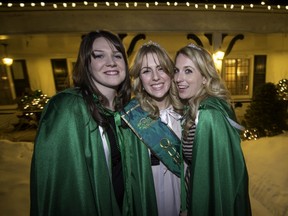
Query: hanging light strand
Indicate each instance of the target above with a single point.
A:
(199, 6)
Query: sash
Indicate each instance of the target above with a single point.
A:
(157, 136)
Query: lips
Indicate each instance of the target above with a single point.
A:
(157, 86)
(182, 86)
(112, 72)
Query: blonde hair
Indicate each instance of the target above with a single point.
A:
(214, 85)
(167, 64)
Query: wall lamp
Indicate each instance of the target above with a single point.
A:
(6, 60)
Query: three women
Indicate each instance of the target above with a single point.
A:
(86, 163)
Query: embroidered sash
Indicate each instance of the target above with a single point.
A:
(156, 135)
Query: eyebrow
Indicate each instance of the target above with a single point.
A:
(157, 66)
(114, 51)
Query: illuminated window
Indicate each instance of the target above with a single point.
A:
(236, 73)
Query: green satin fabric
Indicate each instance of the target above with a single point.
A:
(159, 138)
(69, 173)
(219, 178)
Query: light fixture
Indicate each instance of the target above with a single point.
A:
(219, 55)
(6, 60)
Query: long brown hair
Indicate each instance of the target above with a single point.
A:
(83, 80)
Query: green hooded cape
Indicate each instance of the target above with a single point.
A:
(219, 178)
(69, 173)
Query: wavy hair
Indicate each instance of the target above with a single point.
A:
(214, 85)
(83, 80)
(167, 64)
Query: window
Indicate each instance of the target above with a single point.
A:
(236, 73)
(60, 72)
(6, 92)
(20, 77)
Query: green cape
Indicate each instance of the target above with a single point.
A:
(219, 178)
(69, 173)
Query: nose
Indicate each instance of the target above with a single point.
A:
(155, 75)
(110, 61)
(178, 77)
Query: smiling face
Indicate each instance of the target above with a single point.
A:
(107, 65)
(187, 76)
(155, 80)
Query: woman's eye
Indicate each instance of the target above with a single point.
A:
(176, 70)
(145, 71)
(118, 56)
(187, 71)
(96, 55)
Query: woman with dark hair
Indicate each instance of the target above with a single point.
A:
(216, 179)
(80, 165)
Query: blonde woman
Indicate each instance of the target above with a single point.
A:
(152, 116)
(217, 178)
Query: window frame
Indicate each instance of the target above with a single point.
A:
(241, 97)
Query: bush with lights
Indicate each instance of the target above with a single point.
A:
(267, 113)
(30, 107)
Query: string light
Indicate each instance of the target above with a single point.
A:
(260, 7)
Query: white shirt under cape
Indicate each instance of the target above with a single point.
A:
(167, 184)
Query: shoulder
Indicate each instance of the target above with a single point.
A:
(131, 104)
(216, 105)
(67, 97)
(212, 110)
(65, 103)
